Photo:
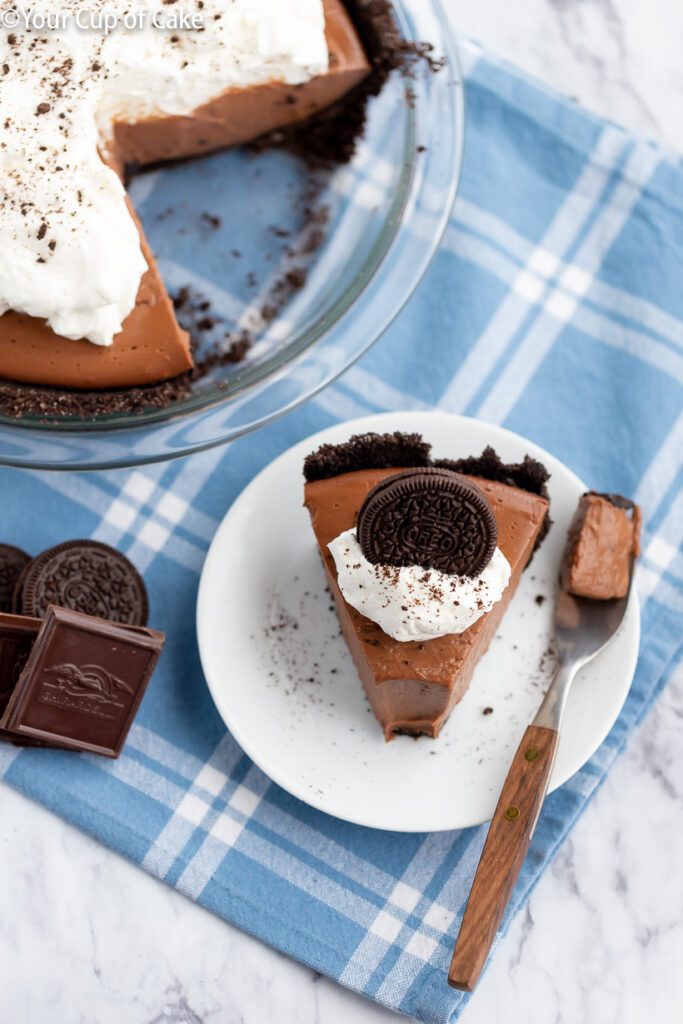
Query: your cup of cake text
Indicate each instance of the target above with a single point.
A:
(100, 18)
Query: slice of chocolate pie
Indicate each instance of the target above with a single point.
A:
(422, 558)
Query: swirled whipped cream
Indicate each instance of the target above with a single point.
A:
(413, 603)
(69, 250)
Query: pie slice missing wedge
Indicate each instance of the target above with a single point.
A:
(82, 304)
(413, 685)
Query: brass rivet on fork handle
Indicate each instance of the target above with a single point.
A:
(502, 856)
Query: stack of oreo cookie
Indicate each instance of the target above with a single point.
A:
(75, 653)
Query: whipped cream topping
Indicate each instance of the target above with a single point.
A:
(245, 43)
(413, 603)
(70, 251)
(70, 248)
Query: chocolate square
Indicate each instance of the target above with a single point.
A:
(82, 682)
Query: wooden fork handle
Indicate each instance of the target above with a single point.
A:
(504, 851)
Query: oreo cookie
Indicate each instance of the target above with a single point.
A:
(16, 608)
(85, 576)
(12, 561)
(430, 517)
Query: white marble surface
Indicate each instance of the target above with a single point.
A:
(87, 937)
(619, 58)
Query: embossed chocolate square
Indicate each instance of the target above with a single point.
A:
(82, 682)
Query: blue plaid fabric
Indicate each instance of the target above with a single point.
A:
(554, 307)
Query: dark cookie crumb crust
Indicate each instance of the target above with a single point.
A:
(367, 451)
(18, 400)
(614, 499)
(329, 137)
(529, 475)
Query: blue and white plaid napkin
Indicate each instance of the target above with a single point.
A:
(554, 307)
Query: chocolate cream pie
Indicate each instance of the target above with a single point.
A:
(82, 303)
(422, 557)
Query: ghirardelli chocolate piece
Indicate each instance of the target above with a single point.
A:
(12, 561)
(82, 682)
(86, 576)
(428, 517)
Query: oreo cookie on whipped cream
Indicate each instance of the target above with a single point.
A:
(422, 561)
(430, 517)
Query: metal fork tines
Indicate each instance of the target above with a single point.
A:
(582, 628)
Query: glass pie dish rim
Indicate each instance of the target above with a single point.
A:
(397, 261)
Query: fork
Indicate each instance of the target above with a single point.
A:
(583, 628)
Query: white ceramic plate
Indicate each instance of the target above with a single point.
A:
(284, 683)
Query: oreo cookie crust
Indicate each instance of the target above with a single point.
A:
(12, 561)
(429, 517)
(618, 500)
(529, 475)
(85, 576)
(367, 451)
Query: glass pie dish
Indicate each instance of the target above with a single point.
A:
(226, 228)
